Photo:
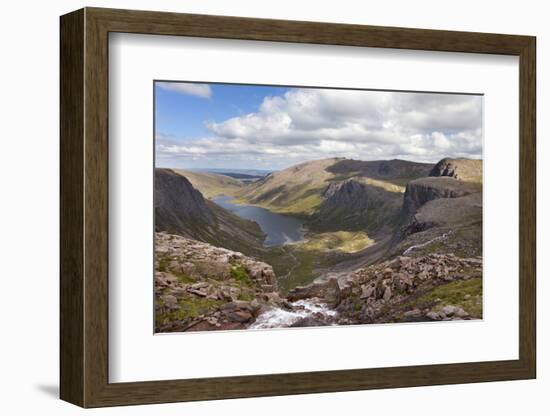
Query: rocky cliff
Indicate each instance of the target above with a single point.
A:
(423, 190)
(355, 205)
(181, 209)
(202, 287)
(469, 170)
(442, 214)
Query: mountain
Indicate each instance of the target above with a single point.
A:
(443, 213)
(356, 204)
(385, 241)
(423, 190)
(211, 184)
(338, 194)
(181, 209)
(301, 189)
(468, 170)
(395, 171)
(295, 190)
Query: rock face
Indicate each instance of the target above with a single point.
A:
(441, 213)
(347, 192)
(423, 190)
(181, 209)
(202, 287)
(352, 204)
(470, 170)
(178, 203)
(385, 292)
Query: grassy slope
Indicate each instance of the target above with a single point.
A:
(296, 190)
(299, 189)
(212, 184)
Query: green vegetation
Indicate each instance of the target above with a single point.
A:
(301, 270)
(245, 296)
(183, 278)
(466, 294)
(239, 274)
(303, 206)
(296, 190)
(212, 184)
(344, 241)
(163, 263)
(386, 185)
(188, 308)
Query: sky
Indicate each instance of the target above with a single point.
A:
(206, 126)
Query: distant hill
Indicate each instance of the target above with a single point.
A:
(295, 190)
(244, 176)
(338, 194)
(394, 171)
(212, 184)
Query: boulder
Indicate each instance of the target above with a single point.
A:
(413, 313)
(328, 292)
(367, 291)
(387, 294)
(239, 316)
(308, 321)
(434, 316)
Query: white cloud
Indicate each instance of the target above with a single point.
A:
(199, 90)
(307, 124)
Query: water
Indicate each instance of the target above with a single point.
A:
(281, 318)
(279, 229)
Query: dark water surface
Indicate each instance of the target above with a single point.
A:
(280, 229)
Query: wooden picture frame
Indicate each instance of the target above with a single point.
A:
(84, 207)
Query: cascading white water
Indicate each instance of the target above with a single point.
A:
(281, 318)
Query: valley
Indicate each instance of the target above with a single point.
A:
(325, 242)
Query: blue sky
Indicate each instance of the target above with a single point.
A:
(183, 116)
(200, 125)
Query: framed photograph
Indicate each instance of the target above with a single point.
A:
(255, 207)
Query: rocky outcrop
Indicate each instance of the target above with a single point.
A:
(328, 291)
(354, 205)
(387, 292)
(202, 287)
(470, 170)
(393, 291)
(348, 192)
(423, 190)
